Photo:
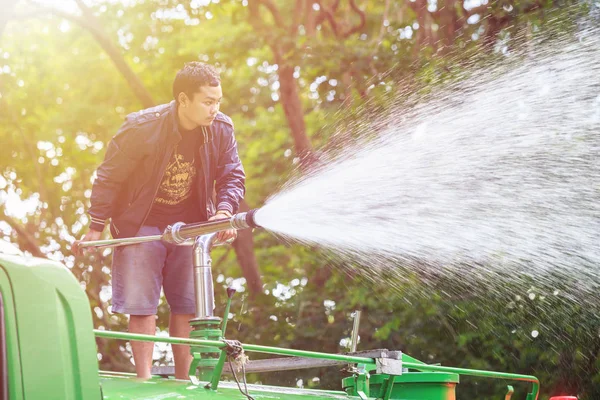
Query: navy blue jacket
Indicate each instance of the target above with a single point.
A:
(135, 161)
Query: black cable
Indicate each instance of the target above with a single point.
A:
(245, 393)
(245, 381)
(235, 350)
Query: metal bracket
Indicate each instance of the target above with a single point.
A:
(390, 386)
(362, 381)
(389, 366)
(171, 234)
(193, 369)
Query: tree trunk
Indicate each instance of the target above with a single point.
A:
(292, 105)
(449, 24)
(423, 34)
(244, 250)
(309, 19)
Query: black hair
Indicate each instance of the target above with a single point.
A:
(193, 75)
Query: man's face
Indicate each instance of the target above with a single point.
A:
(203, 107)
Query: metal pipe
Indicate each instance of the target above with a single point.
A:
(219, 344)
(230, 293)
(474, 372)
(180, 233)
(3, 354)
(326, 356)
(354, 339)
(119, 242)
(203, 281)
(313, 354)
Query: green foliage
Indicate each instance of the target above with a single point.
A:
(62, 99)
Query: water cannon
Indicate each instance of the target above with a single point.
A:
(180, 233)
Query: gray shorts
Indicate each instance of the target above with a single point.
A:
(140, 270)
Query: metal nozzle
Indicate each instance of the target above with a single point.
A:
(244, 220)
(180, 232)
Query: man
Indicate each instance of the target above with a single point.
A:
(164, 166)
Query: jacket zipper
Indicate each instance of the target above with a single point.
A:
(204, 172)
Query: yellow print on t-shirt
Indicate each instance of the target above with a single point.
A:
(176, 185)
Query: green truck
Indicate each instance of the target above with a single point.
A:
(48, 351)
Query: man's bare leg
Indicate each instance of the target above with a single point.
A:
(179, 326)
(142, 351)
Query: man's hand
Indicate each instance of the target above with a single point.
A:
(224, 236)
(91, 235)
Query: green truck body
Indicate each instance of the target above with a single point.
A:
(48, 351)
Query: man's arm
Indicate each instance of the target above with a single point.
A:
(123, 154)
(229, 185)
(230, 178)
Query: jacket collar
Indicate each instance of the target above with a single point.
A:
(174, 124)
(206, 131)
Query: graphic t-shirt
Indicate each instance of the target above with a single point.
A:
(174, 200)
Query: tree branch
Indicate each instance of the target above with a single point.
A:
(328, 15)
(30, 241)
(274, 12)
(296, 17)
(42, 10)
(82, 6)
(361, 24)
(90, 22)
(382, 28)
(134, 81)
(335, 6)
(332, 10)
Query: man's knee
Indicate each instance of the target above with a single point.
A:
(142, 324)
